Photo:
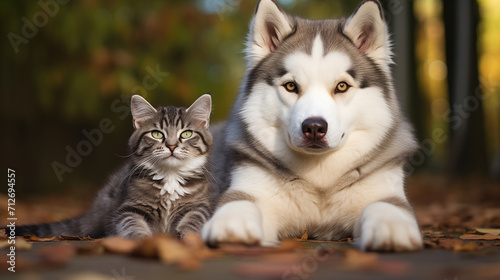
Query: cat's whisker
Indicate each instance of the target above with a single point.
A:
(137, 166)
(133, 153)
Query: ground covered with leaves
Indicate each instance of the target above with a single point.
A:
(460, 221)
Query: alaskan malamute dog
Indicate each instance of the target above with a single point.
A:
(316, 141)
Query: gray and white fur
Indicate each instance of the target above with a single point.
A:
(164, 187)
(316, 140)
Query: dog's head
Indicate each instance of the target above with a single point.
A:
(318, 81)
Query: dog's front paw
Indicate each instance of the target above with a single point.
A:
(385, 227)
(235, 222)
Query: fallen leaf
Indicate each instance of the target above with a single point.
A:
(304, 237)
(119, 245)
(286, 245)
(171, 251)
(479, 237)
(493, 231)
(68, 237)
(487, 243)
(32, 237)
(168, 250)
(194, 243)
(147, 248)
(431, 244)
(448, 244)
(467, 247)
(436, 234)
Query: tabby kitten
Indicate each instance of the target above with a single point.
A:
(162, 189)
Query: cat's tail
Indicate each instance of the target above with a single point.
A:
(70, 227)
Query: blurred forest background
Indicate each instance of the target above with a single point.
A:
(68, 69)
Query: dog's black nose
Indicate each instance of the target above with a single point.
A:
(314, 128)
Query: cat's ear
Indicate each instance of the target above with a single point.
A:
(200, 110)
(270, 26)
(367, 29)
(141, 110)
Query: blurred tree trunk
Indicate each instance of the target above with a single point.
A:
(402, 24)
(467, 153)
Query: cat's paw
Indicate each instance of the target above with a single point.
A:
(385, 227)
(235, 222)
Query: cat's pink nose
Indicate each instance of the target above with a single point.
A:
(172, 148)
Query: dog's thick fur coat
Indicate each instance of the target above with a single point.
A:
(316, 140)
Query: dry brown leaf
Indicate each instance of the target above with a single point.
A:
(493, 231)
(448, 244)
(194, 243)
(170, 251)
(69, 237)
(303, 238)
(467, 247)
(120, 245)
(286, 245)
(58, 255)
(479, 237)
(147, 248)
(32, 237)
(435, 234)
(432, 244)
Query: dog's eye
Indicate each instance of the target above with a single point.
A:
(342, 87)
(156, 134)
(291, 87)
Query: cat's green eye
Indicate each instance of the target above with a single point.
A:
(186, 134)
(156, 134)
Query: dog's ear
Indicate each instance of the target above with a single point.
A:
(367, 29)
(141, 110)
(270, 25)
(200, 110)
